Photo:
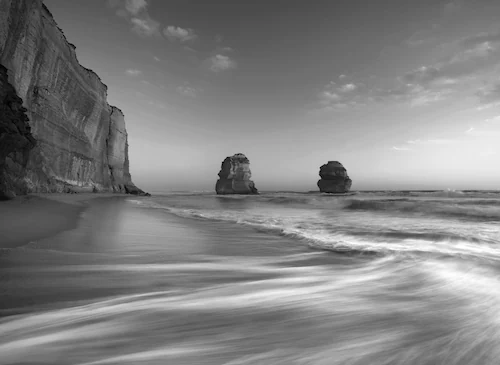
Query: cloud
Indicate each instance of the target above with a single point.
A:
(145, 26)
(466, 59)
(423, 36)
(430, 141)
(219, 38)
(493, 120)
(490, 94)
(336, 97)
(136, 13)
(453, 7)
(348, 87)
(221, 63)
(480, 38)
(135, 6)
(415, 143)
(188, 91)
(179, 34)
(422, 75)
(470, 130)
(157, 59)
(422, 97)
(470, 54)
(133, 72)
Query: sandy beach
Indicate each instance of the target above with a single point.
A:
(37, 216)
(242, 280)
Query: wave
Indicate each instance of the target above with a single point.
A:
(483, 210)
(352, 237)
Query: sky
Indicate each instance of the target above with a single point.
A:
(405, 94)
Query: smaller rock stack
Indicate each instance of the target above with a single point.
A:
(234, 176)
(334, 178)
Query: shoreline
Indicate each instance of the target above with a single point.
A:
(38, 216)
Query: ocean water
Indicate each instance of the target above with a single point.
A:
(280, 278)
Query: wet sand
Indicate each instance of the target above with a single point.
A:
(134, 284)
(37, 216)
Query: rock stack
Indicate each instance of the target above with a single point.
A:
(334, 178)
(234, 176)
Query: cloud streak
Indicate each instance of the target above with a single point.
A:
(133, 72)
(188, 91)
(136, 13)
(179, 34)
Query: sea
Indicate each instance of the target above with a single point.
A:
(186, 278)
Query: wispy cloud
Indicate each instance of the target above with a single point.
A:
(489, 95)
(435, 82)
(157, 59)
(145, 26)
(221, 62)
(188, 91)
(453, 7)
(135, 6)
(136, 13)
(493, 119)
(396, 148)
(421, 97)
(417, 142)
(336, 97)
(133, 72)
(414, 144)
(423, 36)
(174, 33)
(470, 130)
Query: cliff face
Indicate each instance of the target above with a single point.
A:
(81, 140)
(334, 178)
(16, 140)
(235, 176)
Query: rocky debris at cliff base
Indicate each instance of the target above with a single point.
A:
(234, 176)
(134, 190)
(334, 178)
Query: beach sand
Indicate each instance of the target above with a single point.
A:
(78, 247)
(37, 216)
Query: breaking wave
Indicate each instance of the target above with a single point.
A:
(364, 225)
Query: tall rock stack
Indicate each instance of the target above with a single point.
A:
(234, 176)
(334, 178)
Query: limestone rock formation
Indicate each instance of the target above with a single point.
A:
(334, 178)
(81, 139)
(16, 140)
(234, 176)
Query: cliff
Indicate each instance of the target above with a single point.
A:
(234, 176)
(81, 141)
(16, 140)
(334, 178)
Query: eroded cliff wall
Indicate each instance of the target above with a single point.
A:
(16, 140)
(81, 140)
